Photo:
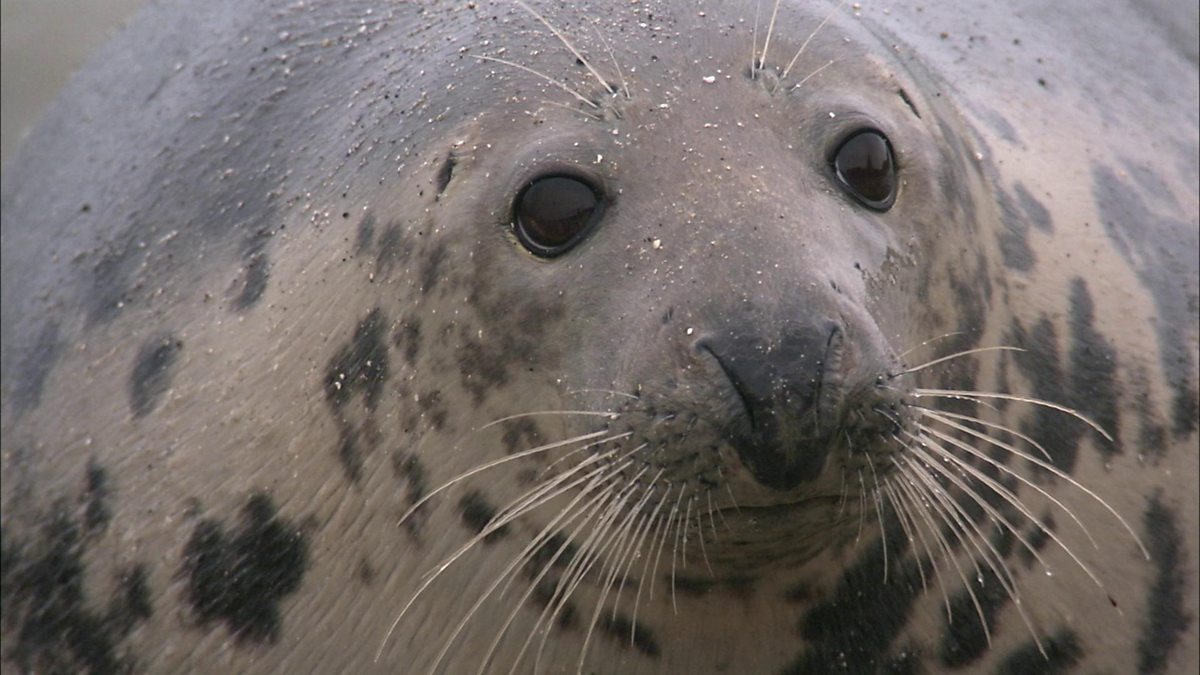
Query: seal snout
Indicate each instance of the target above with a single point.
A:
(790, 390)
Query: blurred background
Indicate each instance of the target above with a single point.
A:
(41, 43)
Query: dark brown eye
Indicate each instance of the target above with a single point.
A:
(865, 169)
(553, 213)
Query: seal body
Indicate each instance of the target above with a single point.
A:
(454, 337)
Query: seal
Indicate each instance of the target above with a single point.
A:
(471, 337)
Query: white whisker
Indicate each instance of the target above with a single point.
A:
(955, 355)
(567, 43)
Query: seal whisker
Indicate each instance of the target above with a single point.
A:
(700, 538)
(616, 64)
(492, 525)
(991, 425)
(608, 414)
(602, 508)
(593, 548)
(1000, 466)
(729, 491)
(927, 448)
(646, 570)
(675, 550)
(611, 570)
(666, 534)
(955, 393)
(505, 574)
(613, 392)
(931, 340)
(967, 531)
(712, 519)
(955, 355)
(1005, 494)
(567, 43)
(546, 490)
(878, 499)
(640, 536)
(804, 45)
(957, 520)
(1058, 473)
(996, 486)
(949, 556)
(813, 74)
(911, 503)
(767, 41)
(906, 503)
(594, 116)
(503, 460)
(590, 511)
(890, 492)
(754, 41)
(578, 567)
(686, 525)
(862, 505)
(541, 75)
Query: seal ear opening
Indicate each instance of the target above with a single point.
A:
(446, 173)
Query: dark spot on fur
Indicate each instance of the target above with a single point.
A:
(693, 586)
(520, 434)
(151, 376)
(1166, 618)
(365, 234)
(107, 288)
(1093, 369)
(392, 249)
(1035, 212)
(477, 513)
(445, 173)
(408, 337)
(434, 408)
(240, 577)
(365, 572)
(517, 330)
(544, 594)
(361, 366)
(555, 550)
(50, 625)
(1014, 238)
(431, 268)
(966, 639)
(1063, 651)
(348, 452)
(852, 631)
(1040, 362)
(96, 512)
(253, 280)
(36, 362)
(622, 629)
(409, 469)
(1161, 247)
(1037, 538)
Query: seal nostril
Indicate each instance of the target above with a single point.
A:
(702, 345)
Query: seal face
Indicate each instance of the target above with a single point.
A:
(645, 339)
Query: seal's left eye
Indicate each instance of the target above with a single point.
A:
(553, 213)
(865, 169)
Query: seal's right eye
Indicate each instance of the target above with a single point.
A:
(866, 169)
(553, 213)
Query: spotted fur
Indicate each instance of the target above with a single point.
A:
(283, 391)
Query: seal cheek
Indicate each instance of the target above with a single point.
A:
(789, 390)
